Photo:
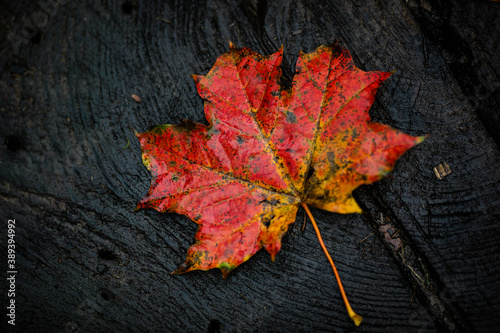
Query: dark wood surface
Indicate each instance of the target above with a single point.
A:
(424, 256)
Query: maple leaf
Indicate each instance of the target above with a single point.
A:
(267, 151)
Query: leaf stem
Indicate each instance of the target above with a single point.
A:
(355, 317)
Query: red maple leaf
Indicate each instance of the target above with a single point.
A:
(267, 151)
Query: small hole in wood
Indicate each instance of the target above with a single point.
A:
(106, 254)
(214, 326)
(106, 294)
(37, 38)
(128, 7)
(13, 143)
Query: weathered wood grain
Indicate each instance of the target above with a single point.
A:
(423, 257)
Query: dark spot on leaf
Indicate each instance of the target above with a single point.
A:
(272, 201)
(354, 134)
(310, 173)
(331, 157)
(331, 160)
(266, 221)
(291, 118)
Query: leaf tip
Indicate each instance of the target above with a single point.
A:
(231, 45)
(184, 268)
(273, 247)
(420, 139)
(137, 134)
(225, 269)
(224, 272)
(385, 75)
(196, 78)
(357, 210)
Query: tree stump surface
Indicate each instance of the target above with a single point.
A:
(423, 257)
